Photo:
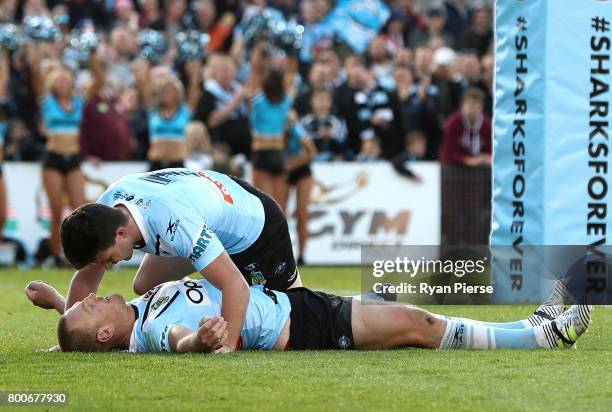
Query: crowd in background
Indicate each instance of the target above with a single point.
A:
(421, 90)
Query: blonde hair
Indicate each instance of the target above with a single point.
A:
(216, 62)
(193, 142)
(77, 339)
(169, 80)
(53, 75)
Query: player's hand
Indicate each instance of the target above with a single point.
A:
(42, 295)
(212, 333)
(225, 349)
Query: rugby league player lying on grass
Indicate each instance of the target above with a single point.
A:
(184, 316)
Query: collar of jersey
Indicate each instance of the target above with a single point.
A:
(138, 218)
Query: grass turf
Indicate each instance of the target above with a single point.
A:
(409, 379)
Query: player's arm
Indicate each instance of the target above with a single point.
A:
(45, 296)
(223, 274)
(84, 282)
(210, 336)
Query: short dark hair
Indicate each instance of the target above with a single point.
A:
(89, 230)
(473, 93)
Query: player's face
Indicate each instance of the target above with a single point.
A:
(121, 250)
(96, 311)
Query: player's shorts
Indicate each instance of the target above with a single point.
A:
(271, 161)
(62, 163)
(158, 165)
(270, 259)
(298, 174)
(319, 320)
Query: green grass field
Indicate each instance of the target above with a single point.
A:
(407, 380)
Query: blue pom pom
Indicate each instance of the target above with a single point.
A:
(41, 29)
(191, 45)
(153, 45)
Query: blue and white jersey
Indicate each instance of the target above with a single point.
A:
(174, 128)
(57, 120)
(193, 214)
(185, 303)
(267, 118)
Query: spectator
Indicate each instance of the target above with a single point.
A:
(319, 77)
(382, 63)
(457, 17)
(169, 111)
(443, 78)
(412, 19)
(151, 16)
(436, 19)
(176, 17)
(105, 131)
(467, 133)
(223, 106)
(418, 103)
(136, 116)
(470, 75)
(423, 62)
(480, 35)
(300, 151)
(488, 68)
(403, 57)
(372, 112)
(393, 34)
(466, 178)
(415, 149)
(327, 131)
(124, 48)
(205, 20)
(8, 10)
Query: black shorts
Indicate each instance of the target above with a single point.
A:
(159, 164)
(270, 259)
(271, 161)
(298, 174)
(320, 320)
(62, 163)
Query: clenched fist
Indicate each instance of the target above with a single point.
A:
(44, 295)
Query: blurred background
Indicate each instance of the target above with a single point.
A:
(368, 121)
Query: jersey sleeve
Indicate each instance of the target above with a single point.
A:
(109, 196)
(157, 336)
(184, 233)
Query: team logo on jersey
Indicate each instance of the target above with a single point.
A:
(160, 302)
(200, 244)
(344, 342)
(172, 227)
(257, 278)
(251, 266)
(280, 268)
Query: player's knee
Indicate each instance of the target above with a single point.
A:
(420, 326)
